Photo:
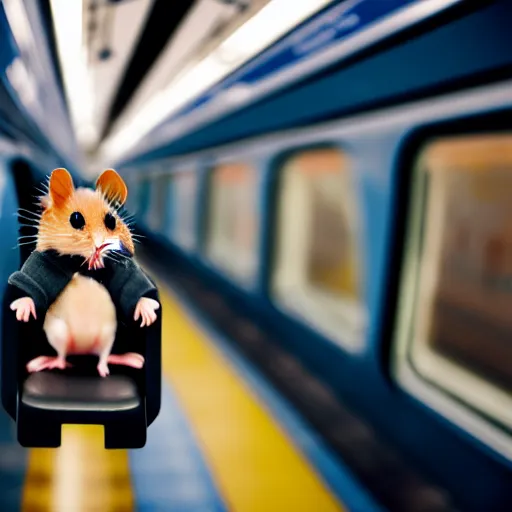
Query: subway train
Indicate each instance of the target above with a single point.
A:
(333, 227)
(322, 208)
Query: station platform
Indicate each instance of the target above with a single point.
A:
(225, 440)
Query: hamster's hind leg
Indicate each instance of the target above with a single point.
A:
(130, 359)
(45, 363)
(105, 342)
(58, 336)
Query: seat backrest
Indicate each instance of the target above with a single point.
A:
(17, 191)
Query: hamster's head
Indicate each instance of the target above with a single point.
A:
(84, 221)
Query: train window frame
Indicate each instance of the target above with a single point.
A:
(448, 398)
(248, 281)
(350, 336)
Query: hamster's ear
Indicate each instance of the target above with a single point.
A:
(61, 187)
(112, 186)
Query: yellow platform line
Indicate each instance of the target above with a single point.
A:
(255, 465)
(80, 476)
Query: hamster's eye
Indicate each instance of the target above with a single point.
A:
(110, 221)
(77, 220)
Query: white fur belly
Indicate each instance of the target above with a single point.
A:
(82, 320)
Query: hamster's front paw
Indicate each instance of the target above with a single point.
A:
(24, 307)
(145, 309)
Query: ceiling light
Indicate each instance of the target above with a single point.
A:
(67, 20)
(269, 24)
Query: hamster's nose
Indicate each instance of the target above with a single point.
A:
(98, 241)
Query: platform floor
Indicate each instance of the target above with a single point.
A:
(224, 440)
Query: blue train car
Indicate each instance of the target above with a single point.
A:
(339, 207)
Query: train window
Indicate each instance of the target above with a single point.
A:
(232, 237)
(317, 271)
(184, 199)
(155, 217)
(456, 311)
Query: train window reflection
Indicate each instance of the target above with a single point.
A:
(232, 237)
(184, 204)
(461, 327)
(158, 195)
(317, 270)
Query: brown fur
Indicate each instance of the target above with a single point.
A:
(83, 318)
(55, 230)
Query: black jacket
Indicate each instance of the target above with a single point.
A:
(45, 274)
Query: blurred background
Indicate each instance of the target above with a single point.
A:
(321, 191)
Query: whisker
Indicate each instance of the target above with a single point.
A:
(21, 219)
(28, 219)
(25, 243)
(111, 257)
(37, 202)
(45, 182)
(112, 253)
(33, 227)
(128, 220)
(28, 237)
(126, 215)
(24, 227)
(27, 212)
(55, 230)
(42, 191)
(41, 194)
(121, 255)
(48, 235)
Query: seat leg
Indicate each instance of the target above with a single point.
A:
(38, 434)
(127, 433)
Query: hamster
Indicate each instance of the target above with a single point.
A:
(80, 234)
